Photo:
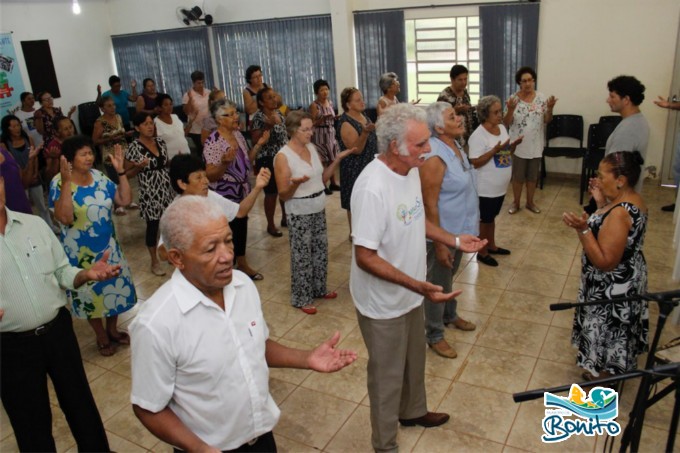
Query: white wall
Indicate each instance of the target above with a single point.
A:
(582, 44)
(80, 45)
(585, 43)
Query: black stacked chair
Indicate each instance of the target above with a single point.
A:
(597, 141)
(567, 126)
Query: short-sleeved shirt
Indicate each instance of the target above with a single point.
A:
(528, 120)
(28, 124)
(388, 216)
(34, 271)
(458, 203)
(234, 183)
(15, 193)
(494, 176)
(631, 134)
(206, 364)
(277, 139)
(121, 100)
(173, 135)
(201, 104)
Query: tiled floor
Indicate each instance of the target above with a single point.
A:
(519, 344)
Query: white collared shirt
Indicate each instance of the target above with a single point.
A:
(207, 365)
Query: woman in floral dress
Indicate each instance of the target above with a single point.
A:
(610, 337)
(323, 115)
(83, 199)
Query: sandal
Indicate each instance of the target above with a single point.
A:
(308, 309)
(106, 349)
(535, 209)
(121, 338)
(120, 211)
(256, 276)
(331, 295)
(276, 233)
(133, 205)
(513, 209)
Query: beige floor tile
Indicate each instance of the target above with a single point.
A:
(497, 370)
(342, 306)
(286, 445)
(520, 337)
(477, 299)
(315, 329)
(9, 444)
(126, 425)
(563, 242)
(571, 287)
(5, 426)
(444, 441)
(355, 342)
(348, 383)
(483, 275)
(469, 337)
(557, 346)
(312, 418)
(548, 374)
(111, 391)
(479, 412)
(546, 260)
(281, 317)
(564, 318)
(525, 307)
(91, 354)
(444, 367)
(436, 389)
(538, 282)
(527, 431)
(162, 447)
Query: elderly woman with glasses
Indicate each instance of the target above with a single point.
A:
(300, 179)
(528, 111)
(450, 199)
(491, 154)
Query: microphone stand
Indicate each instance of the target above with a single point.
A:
(631, 435)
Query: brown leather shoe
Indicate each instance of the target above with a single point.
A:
(429, 420)
(462, 324)
(444, 349)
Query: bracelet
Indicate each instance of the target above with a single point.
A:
(457, 243)
(584, 232)
(122, 174)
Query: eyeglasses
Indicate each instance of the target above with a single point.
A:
(227, 115)
(526, 80)
(47, 98)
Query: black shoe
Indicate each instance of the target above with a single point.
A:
(328, 191)
(334, 187)
(429, 420)
(284, 223)
(668, 208)
(488, 260)
(498, 251)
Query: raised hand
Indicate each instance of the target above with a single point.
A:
(264, 139)
(143, 163)
(552, 100)
(501, 146)
(33, 152)
(512, 102)
(370, 127)
(99, 90)
(229, 156)
(470, 243)
(325, 358)
(101, 270)
(574, 221)
(435, 294)
(64, 170)
(596, 192)
(263, 178)
(662, 102)
(71, 110)
(514, 144)
(117, 158)
(133, 84)
(416, 101)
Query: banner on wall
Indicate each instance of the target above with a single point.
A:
(11, 83)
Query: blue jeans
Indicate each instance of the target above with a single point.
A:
(436, 315)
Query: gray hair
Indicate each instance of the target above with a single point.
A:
(218, 107)
(182, 217)
(484, 105)
(294, 121)
(435, 116)
(386, 81)
(392, 125)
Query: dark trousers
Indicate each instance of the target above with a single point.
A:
(25, 362)
(239, 231)
(198, 152)
(265, 444)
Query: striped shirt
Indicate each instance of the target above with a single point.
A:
(33, 272)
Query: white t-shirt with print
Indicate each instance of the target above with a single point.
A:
(494, 176)
(388, 216)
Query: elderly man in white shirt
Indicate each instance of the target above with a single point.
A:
(200, 349)
(387, 277)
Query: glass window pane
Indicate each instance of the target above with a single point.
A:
(436, 56)
(474, 55)
(473, 21)
(448, 44)
(436, 23)
(439, 67)
(473, 66)
(473, 32)
(437, 77)
(473, 77)
(436, 34)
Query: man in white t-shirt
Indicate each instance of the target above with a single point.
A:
(387, 276)
(201, 347)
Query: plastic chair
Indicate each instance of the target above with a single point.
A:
(597, 141)
(567, 126)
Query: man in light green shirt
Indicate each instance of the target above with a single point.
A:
(36, 332)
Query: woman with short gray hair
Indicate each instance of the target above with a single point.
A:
(450, 199)
(389, 85)
(491, 154)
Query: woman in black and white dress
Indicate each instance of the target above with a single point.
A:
(147, 157)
